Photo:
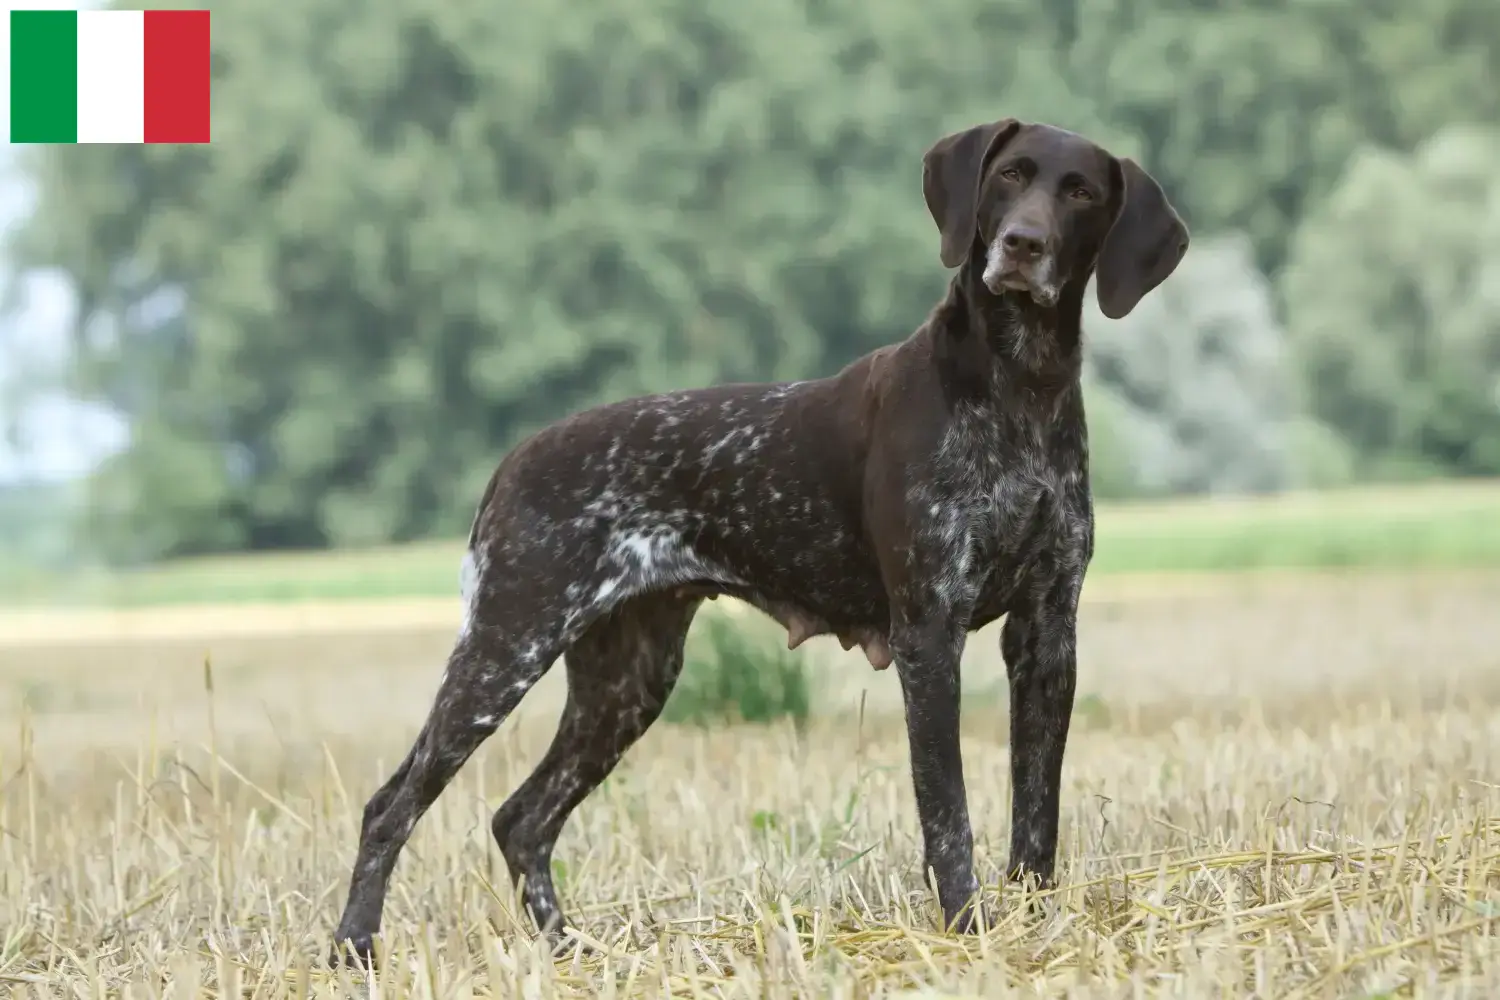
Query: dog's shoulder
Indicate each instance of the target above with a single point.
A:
(906, 393)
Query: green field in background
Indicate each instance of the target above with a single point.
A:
(1433, 526)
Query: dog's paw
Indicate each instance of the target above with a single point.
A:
(1028, 886)
(355, 952)
(972, 919)
(560, 942)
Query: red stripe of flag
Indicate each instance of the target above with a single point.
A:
(177, 77)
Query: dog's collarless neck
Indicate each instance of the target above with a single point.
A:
(1008, 339)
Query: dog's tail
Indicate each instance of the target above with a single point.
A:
(484, 503)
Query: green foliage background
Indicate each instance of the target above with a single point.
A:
(424, 229)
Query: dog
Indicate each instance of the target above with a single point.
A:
(921, 493)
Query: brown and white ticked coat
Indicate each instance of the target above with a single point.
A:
(926, 490)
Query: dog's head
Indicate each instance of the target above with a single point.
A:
(1042, 207)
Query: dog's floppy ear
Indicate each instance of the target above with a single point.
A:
(951, 172)
(1145, 244)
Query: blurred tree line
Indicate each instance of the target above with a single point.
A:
(424, 229)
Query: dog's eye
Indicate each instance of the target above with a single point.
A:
(1010, 174)
(1081, 194)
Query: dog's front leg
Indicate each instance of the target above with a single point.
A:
(1039, 643)
(927, 649)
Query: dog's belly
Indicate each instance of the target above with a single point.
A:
(788, 547)
(812, 582)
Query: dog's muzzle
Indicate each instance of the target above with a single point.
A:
(1021, 259)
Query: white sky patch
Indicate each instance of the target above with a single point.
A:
(60, 437)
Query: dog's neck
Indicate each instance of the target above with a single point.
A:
(994, 344)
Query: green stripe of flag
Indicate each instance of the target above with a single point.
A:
(43, 76)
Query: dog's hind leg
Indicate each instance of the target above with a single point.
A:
(486, 678)
(620, 673)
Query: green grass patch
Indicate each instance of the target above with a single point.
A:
(428, 569)
(1447, 525)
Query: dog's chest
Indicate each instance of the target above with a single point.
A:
(997, 496)
(997, 474)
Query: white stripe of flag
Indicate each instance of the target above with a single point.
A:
(112, 76)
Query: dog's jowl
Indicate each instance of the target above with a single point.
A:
(923, 492)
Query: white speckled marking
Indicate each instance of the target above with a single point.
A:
(468, 588)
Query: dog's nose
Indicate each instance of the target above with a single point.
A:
(1026, 242)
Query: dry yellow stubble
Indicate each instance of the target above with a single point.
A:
(1322, 820)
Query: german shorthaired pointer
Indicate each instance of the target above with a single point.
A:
(921, 493)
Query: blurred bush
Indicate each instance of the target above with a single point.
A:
(736, 673)
(1192, 389)
(1393, 297)
(424, 229)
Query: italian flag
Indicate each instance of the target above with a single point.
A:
(109, 76)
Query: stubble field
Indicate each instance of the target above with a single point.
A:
(1278, 785)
